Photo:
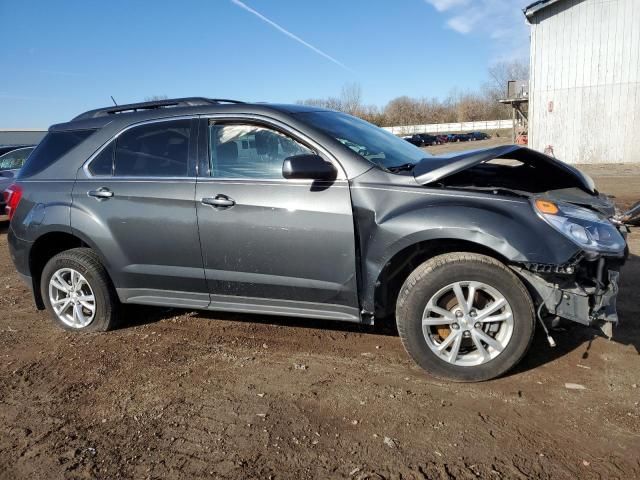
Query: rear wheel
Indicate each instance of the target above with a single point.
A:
(78, 293)
(465, 317)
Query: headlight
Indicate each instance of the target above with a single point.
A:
(584, 227)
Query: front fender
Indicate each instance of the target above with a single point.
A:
(391, 220)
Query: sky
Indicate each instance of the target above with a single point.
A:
(60, 58)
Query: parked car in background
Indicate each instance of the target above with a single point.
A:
(478, 136)
(7, 148)
(10, 164)
(422, 139)
(442, 139)
(293, 210)
(414, 140)
(428, 139)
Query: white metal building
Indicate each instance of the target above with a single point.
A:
(584, 95)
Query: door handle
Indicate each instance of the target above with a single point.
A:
(219, 201)
(101, 193)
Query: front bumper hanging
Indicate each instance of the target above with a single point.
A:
(589, 301)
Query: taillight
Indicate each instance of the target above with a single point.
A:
(12, 196)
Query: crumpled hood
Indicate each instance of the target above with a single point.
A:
(601, 203)
(432, 169)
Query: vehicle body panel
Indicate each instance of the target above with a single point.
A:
(146, 231)
(394, 213)
(433, 169)
(288, 241)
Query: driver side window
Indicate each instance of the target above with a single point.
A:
(249, 151)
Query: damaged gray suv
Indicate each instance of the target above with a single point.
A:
(290, 210)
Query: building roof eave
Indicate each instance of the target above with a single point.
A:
(530, 10)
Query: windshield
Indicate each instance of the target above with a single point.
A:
(370, 142)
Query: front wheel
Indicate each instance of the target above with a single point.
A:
(465, 317)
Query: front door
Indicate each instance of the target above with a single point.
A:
(135, 200)
(269, 244)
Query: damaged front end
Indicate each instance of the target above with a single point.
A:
(584, 288)
(582, 291)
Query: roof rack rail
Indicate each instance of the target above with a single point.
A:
(135, 107)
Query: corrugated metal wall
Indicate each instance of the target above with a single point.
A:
(585, 81)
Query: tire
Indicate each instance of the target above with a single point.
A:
(437, 275)
(93, 281)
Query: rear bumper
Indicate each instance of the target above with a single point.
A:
(19, 251)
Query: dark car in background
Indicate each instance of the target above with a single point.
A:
(422, 139)
(463, 137)
(295, 210)
(415, 140)
(428, 140)
(478, 136)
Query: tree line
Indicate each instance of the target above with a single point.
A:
(456, 107)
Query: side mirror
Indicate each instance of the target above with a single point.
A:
(308, 166)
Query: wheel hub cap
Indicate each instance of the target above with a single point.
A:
(467, 323)
(72, 298)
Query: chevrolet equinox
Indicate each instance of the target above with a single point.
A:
(292, 210)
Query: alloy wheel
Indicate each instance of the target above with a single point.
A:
(467, 323)
(72, 298)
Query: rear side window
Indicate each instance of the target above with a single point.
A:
(154, 150)
(52, 147)
(103, 164)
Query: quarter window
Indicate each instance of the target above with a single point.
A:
(103, 163)
(154, 150)
(249, 151)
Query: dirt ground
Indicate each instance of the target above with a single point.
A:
(176, 394)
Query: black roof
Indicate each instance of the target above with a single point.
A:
(152, 105)
(134, 112)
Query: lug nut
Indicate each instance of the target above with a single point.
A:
(455, 326)
(459, 313)
(473, 313)
(477, 325)
(466, 333)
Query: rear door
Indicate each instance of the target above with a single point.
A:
(135, 200)
(270, 244)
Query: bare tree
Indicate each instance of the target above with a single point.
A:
(351, 98)
(154, 98)
(456, 107)
(501, 72)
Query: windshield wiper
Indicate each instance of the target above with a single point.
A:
(400, 168)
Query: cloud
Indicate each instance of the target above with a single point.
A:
(289, 34)
(444, 5)
(495, 18)
(461, 24)
(501, 21)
